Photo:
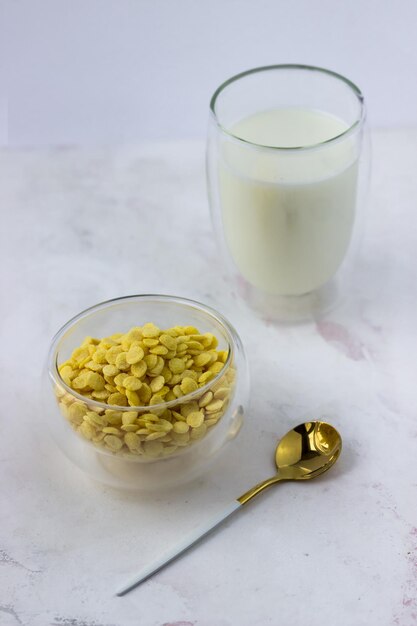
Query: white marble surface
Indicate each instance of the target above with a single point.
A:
(79, 227)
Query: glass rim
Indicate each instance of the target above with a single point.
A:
(232, 339)
(289, 66)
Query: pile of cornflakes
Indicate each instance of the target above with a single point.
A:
(136, 374)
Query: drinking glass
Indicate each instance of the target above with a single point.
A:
(287, 171)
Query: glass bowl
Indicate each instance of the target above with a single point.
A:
(127, 446)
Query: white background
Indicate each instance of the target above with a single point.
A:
(104, 71)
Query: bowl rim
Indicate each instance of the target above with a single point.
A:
(52, 360)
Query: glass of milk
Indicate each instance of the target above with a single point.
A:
(286, 172)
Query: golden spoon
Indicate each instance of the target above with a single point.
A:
(305, 452)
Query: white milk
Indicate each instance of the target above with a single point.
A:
(288, 215)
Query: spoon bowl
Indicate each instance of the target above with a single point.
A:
(305, 452)
(308, 450)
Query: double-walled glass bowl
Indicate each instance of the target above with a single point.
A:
(96, 436)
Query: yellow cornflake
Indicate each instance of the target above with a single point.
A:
(157, 383)
(160, 364)
(190, 330)
(150, 343)
(170, 396)
(195, 345)
(175, 379)
(129, 417)
(204, 378)
(204, 400)
(176, 365)
(135, 355)
(166, 373)
(117, 398)
(216, 367)
(80, 382)
(118, 380)
(160, 350)
(213, 357)
(132, 398)
(108, 342)
(189, 374)
(90, 340)
(110, 430)
(181, 427)
(166, 425)
(132, 383)
(202, 359)
(134, 334)
(156, 399)
(87, 430)
(214, 406)
(210, 422)
(155, 435)
(150, 417)
(156, 427)
(112, 354)
(95, 381)
(92, 365)
(129, 428)
(80, 354)
(113, 442)
(99, 356)
(188, 385)
(195, 419)
(189, 407)
(210, 341)
(110, 370)
(177, 391)
(151, 361)
(145, 393)
(95, 419)
(121, 361)
(168, 341)
(132, 441)
(76, 411)
(139, 369)
(180, 438)
(67, 373)
(222, 355)
(150, 330)
(221, 393)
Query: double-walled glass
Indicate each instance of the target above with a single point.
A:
(287, 166)
(79, 424)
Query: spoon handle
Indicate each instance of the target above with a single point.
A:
(248, 495)
(179, 548)
(197, 534)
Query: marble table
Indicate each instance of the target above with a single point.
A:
(84, 225)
